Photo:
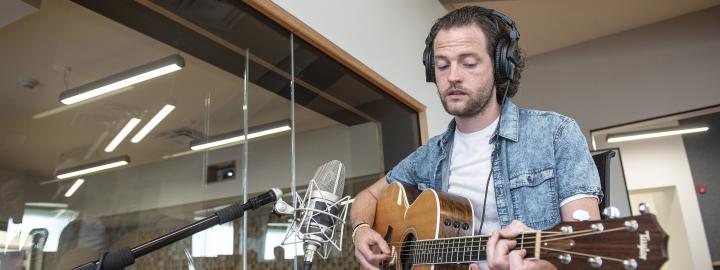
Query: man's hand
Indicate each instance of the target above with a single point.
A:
(517, 262)
(364, 238)
(500, 255)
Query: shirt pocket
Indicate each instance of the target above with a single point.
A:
(534, 197)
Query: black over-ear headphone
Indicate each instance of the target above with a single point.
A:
(506, 54)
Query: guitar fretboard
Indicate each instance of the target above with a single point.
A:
(458, 249)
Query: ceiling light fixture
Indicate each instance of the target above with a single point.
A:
(122, 134)
(153, 122)
(239, 136)
(74, 187)
(93, 167)
(123, 79)
(655, 133)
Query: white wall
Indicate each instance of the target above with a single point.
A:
(387, 36)
(180, 181)
(663, 68)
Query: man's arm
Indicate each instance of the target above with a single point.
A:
(363, 208)
(363, 211)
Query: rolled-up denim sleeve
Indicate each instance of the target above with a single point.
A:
(575, 169)
(405, 171)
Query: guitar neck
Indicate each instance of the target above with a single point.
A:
(464, 249)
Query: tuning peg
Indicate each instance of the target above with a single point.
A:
(565, 258)
(611, 212)
(595, 262)
(630, 264)
(644, 208)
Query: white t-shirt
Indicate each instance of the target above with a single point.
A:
(470, 164)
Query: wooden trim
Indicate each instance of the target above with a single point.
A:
(716, 263)
(290, 22)
(422, 118)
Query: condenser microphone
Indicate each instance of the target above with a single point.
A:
(317, 224)
(320, 216)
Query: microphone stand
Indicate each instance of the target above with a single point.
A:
(126, 256)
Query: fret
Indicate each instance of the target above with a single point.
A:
(426, 247)
(417, 252)
(465, 250)
(458, 249)
(479, 246)
(453, 250)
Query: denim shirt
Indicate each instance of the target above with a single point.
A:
(541, 159)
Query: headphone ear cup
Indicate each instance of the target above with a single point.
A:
(501, 74)
(429, 63)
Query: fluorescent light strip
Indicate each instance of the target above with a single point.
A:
(74, 187)
(46, 205)
(654, 134)
(241, 138)
(153, 123)
(94, 167)
(124, 79)
(122, 134)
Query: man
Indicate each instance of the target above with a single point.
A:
(518, 167)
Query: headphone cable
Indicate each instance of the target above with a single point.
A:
(493, 154)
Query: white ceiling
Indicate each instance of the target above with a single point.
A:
(63, 34)
(547, 25)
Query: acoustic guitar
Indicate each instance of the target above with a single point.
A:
(434, 230)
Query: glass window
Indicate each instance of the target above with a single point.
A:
(165, 109)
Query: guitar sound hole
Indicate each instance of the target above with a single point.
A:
(407, 252)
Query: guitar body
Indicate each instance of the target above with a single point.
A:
(403, 214)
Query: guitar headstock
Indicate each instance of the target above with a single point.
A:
(635, 242)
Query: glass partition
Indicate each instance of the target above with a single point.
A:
(126, 120)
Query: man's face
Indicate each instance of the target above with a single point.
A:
(463, 70)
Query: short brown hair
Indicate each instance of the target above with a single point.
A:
(492, 27)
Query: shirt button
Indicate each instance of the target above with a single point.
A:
(529, 179)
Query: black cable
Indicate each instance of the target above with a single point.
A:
(492, 157)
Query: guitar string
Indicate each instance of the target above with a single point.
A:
(418, 259)
(479, 244)
(551, 235)
(464, 253)
(583, 254)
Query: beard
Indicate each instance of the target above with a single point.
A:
(476, 103)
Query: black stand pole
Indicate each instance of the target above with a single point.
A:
(124, 257)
